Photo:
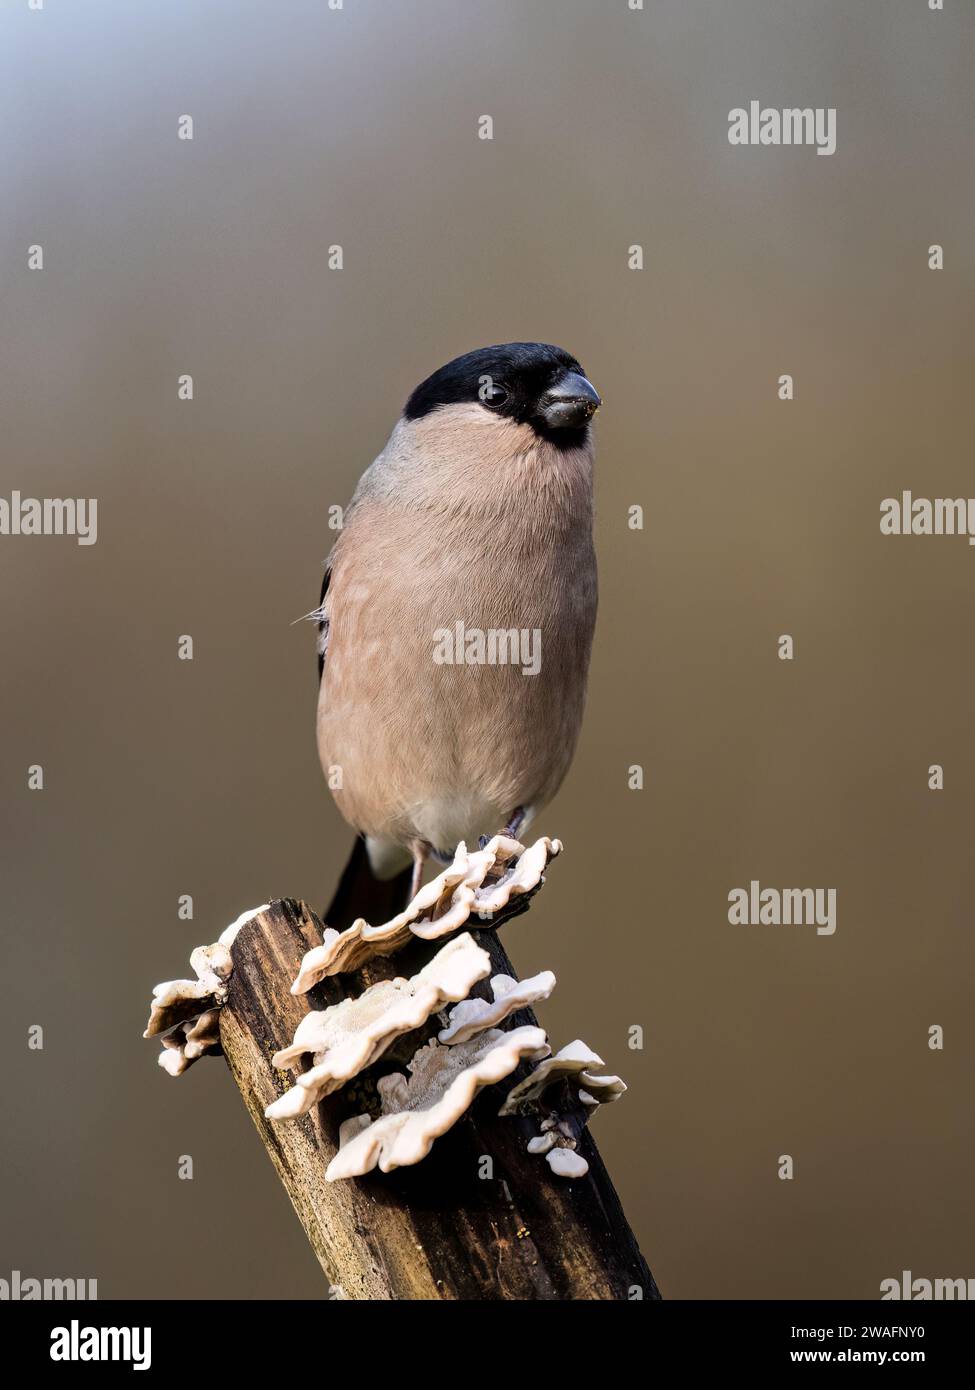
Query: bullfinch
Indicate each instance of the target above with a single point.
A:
(456, 618)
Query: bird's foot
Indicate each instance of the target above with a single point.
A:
(515, 821)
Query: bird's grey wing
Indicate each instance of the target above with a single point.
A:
(322, 622)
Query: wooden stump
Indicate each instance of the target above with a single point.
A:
(438, 1230)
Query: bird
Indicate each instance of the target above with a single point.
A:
(456, 619)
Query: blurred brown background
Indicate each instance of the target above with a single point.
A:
(163, 777)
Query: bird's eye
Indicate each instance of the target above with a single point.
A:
(490, 393)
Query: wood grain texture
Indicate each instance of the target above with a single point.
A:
(438, 1230)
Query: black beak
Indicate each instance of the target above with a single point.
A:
(570, 403)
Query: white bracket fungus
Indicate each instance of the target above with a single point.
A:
(600, 1090)
(189, 1041)
(351, 1035)
(560, 1134)
(573, 1060)
(557, 1142)
(185, 1014)
(479, 884)
(566, 1163)
(474, 1015)
(445, 1073)
(417, 1110)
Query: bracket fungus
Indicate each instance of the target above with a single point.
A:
(189, 1041)
(600, 1090)
(566, 1163)
(446, 1072)
(185, 1014)
(417, 1110)
(351, 1035)
(575, 1060)
(474, 1015)
(557, 1142)
(560, 1132)
(482, 884)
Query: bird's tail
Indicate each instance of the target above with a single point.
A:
(361, 894)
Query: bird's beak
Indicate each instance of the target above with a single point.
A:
(570, 403)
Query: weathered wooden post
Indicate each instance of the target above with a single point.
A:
(437, 1230)
(481, 1216)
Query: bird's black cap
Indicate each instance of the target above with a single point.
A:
(533, 383)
